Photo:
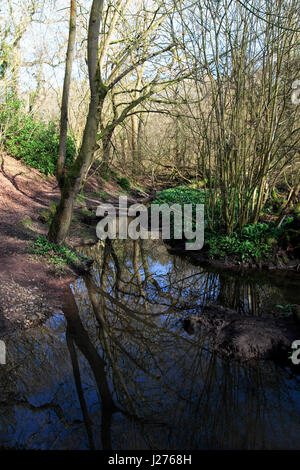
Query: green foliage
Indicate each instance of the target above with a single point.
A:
(180, 195)
(34, 142)
(27, 222)
(55, 254)
(237, 246)
(188, 195)
(47, 215)
(254, 242)
(287, 310)
(101, 194)
(124, 183)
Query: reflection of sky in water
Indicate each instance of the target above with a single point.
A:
(159, 269)
(183, 395)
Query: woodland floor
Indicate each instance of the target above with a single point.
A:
(30, 289)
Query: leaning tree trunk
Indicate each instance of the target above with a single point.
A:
(72, 182)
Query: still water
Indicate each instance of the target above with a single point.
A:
(115, 369)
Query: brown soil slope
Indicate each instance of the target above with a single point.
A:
(29, 289)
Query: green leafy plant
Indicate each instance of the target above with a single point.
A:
(55, 254)
(124, 183)
(180, 195)
(30, 140)
(254, 242)
(236, 246)
(286, 309)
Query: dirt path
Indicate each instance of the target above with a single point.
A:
(29, 289)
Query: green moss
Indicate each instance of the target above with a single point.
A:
(47, 215)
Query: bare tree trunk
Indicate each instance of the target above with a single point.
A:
(133, 144)
(72, 182)
(65, 96)
(106, 150)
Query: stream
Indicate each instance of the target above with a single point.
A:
(115, 368)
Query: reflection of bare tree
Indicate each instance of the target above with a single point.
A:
(156, 387)
(147, 356)
(243, 295)
(240, 296)
(77, 333)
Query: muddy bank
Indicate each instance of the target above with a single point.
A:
(245, 338)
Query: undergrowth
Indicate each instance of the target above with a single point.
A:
(30, 140)
(253, 242)
(58, 255)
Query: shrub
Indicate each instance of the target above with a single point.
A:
(124, 183)
(34, 142)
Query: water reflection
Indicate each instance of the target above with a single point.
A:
(117, 370)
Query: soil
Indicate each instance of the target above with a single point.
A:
(245, 338)
(24, 279)
(30, 289)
